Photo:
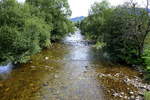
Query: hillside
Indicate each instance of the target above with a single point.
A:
(76, 19)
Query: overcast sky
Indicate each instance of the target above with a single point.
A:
(81, 7)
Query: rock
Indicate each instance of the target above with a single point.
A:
(120, 96)
(57, 92)
(122, 93)
(129, 98)
(131, 92)
(132, 97)
(7, 89)
(86, 67)
(109, 75)
(31, 84)
(45, 84)
(148, 88)
(56, 76)
(144, 86)
(1, 85)
(51, 67)
(33, 66)
(140, 94)
(46, 66)
(138, 98)
(108, 91)
(125, 97)
(116, 94)
(46, 58)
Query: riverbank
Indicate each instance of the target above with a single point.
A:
(72, 70)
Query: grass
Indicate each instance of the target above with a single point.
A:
(147, 96)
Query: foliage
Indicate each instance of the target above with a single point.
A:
(92, 25)
(147, 96)
(26, 29)
(55, 13)
(99, 45)
(123, 29)
(21, 34)
(125, 35)
(146, 57)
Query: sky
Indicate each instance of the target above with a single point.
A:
(81, 7)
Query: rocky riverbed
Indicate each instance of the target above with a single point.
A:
(72, 70)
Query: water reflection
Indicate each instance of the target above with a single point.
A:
(5, 71)
(75, 80)
(66, 71)
(76, 37)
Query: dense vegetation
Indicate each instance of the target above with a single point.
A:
(146, 57)
(27, 28)
(55, 13)
(121, 30)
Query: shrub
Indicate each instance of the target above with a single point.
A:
(21, 33)
(147, 96)
(146, 57)
(55, 13)
(123, 29)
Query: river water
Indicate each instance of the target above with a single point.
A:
(71, 70)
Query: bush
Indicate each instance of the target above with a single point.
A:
(146, 57)
(55, 13)
(21, 33)
(147, 96)
(123, 29)
(122, 42)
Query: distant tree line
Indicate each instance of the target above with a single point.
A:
(27, 28)
(123, 31)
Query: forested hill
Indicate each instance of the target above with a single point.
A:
(76, 19)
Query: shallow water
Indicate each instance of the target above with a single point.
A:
(72, 70)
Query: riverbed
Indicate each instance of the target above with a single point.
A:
(70, 70)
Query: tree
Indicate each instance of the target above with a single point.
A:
(92, 26)
(123, 29)
(21, 34)
(56, 13)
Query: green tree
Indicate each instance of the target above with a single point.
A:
(56, 14)
(92, 26)
(123, 29)
(21, 33)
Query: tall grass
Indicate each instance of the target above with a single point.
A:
(147, 96)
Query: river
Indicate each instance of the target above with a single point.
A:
(70, 70)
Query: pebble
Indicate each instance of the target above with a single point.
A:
(1, 85)
(33, 66)
(131, 92)
(141, 94)
(46, 66)
(132, 97)
(144, 86)
(137, 98)
(7, 89)
(126, 97)
(46, 58)
(45, 84)
(115, 94)
(56, 76)
(122, 93)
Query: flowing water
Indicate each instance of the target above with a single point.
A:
(71, 70)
